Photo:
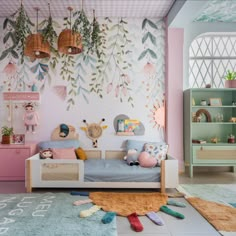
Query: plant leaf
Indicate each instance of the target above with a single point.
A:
(6, 37)
(152, 53)
(152, 38)
(4, 54)
(14, 54)
(145, 37)
(5, 23)
(34, 68)
(144, 23)
(143, 54)
(152, 24)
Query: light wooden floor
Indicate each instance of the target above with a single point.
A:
(193, 224)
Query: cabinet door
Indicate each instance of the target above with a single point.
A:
(214, 154)
(12, 163)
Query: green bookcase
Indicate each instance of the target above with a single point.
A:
(208, 125)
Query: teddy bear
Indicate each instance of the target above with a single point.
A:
(132, 157)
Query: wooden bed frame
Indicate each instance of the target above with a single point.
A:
(169, 173)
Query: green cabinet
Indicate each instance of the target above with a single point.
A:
(209, 127)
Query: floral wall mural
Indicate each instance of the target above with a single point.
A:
(126, 77)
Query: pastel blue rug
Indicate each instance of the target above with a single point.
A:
(50, 214)
(221, 193)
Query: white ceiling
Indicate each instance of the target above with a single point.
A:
(103, 8)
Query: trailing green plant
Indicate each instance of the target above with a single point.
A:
(22, 28)
(18, 27)
(7, 131)
(49, 34)
(82, 25)
(96, 39)
(231, 75)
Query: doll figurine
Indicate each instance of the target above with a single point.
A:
(30, 118)
(46, 154)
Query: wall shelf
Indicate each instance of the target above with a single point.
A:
(21, 96)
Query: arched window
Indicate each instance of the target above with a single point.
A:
(211, 55)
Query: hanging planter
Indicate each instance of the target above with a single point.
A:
(36, 46)
(69, 41)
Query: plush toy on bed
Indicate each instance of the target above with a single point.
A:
(146, 160)
(132, 157)
(46, 154)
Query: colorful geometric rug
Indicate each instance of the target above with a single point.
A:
(215, 202)
(51, 214)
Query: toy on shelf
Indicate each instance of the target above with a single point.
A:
(30, 117)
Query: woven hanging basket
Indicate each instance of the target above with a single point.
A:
(69, 42)
(35, 47)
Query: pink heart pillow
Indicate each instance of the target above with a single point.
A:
(145, 160)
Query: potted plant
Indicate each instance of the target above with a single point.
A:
(230, 79)
(7, 132)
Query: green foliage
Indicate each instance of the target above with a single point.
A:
(22, 29)
(18, 28)
(90, 32)
(7, 131)
(82, 26)
(49, 34)
(231, 75)
(95, 38)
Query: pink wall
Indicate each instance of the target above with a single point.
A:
(174, 94)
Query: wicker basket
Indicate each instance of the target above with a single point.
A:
(35, 47)
(69, 42)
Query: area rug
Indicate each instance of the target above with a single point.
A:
(222, 217)
(51, 214)
(215, 202)
(221, 193)
(125, 204)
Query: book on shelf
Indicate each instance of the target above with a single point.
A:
(131, 125)
(200, 141)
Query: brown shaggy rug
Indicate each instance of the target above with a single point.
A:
(222, 217)
(125, 204)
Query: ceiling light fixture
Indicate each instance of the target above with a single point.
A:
(36, 46)
(70, 42)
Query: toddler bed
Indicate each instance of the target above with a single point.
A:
(102, 169)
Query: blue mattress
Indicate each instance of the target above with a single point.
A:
(118, 171)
